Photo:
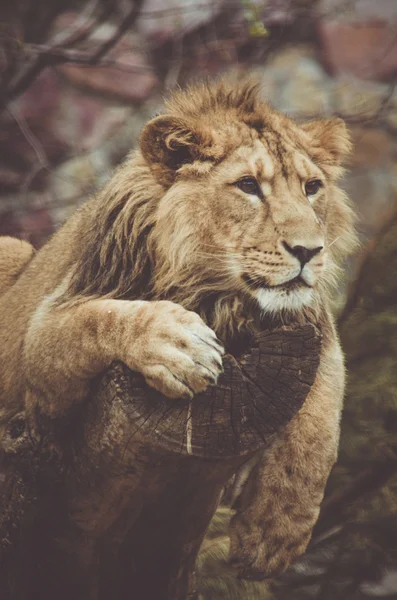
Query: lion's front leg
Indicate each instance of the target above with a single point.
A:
(280, 502)
(66, 346)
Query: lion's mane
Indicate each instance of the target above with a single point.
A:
(119, 255)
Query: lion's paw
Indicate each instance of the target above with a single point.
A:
(265, 550)
(178, 354)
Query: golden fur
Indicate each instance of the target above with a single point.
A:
(174, 235)
(145, 252)
(14, 256)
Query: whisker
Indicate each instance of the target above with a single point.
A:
(226, 252)
(217, 264)
(214, 255)
(256, 278)
(335, 240)
(223, 259)
(212, 246)
(220, 254)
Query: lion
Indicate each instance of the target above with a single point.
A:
(14, 256)
(227, 218)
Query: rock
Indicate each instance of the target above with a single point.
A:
(162, 20)
(107, 136)
(10, 178)
(53, 120)
(269, 87)
(130, 79)
(297, 83)
(282, 64)
(391, 113)
(9, 224)
(372, 148)
(39, 103)
(87, 121)
(37, 225)
(365, 50)
(71, 183)
(356, 98)
(374, 197)
(30, 219)
(125, 74)
(360, 10)
(125, 137)
(372, 193)
(393, 178)
(116, 131)
(28, 139)
(309, 90)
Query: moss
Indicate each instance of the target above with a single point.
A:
(216, 579)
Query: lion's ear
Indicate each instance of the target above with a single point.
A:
(167, 143)
(330, 140)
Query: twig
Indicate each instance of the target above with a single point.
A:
(43, 162)
(25, 80)
(64, 55)
(365, 484)
(56, 54)
(197, 7)
(356, 287)
(387, 99)
(30, 138)
(118, 34)
(325, 590)
(172, 76)
(81, 27)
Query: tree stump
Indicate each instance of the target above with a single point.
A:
(114, 502)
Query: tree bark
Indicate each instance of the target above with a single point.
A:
(115, 501)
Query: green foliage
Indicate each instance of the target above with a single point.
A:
(256, 28)
(217, 580)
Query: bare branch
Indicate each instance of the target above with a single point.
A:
(62, 55)
(59, 53)
(172, 77)
(81, 26)
(35, 145)
(24, 81)
(118, 34)
(176, 11)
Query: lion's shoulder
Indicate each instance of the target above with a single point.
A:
(14, 256)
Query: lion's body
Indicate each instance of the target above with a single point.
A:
(18, 300)
(14, 256)
(174, 228)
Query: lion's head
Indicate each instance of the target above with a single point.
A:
(227, 207)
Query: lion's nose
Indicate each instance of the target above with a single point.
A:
(303, 254)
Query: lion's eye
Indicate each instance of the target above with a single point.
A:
(249, 185)
(312, 187)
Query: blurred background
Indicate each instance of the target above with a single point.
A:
(77, 82)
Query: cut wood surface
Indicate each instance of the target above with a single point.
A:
(115, 501)
(255, 397)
